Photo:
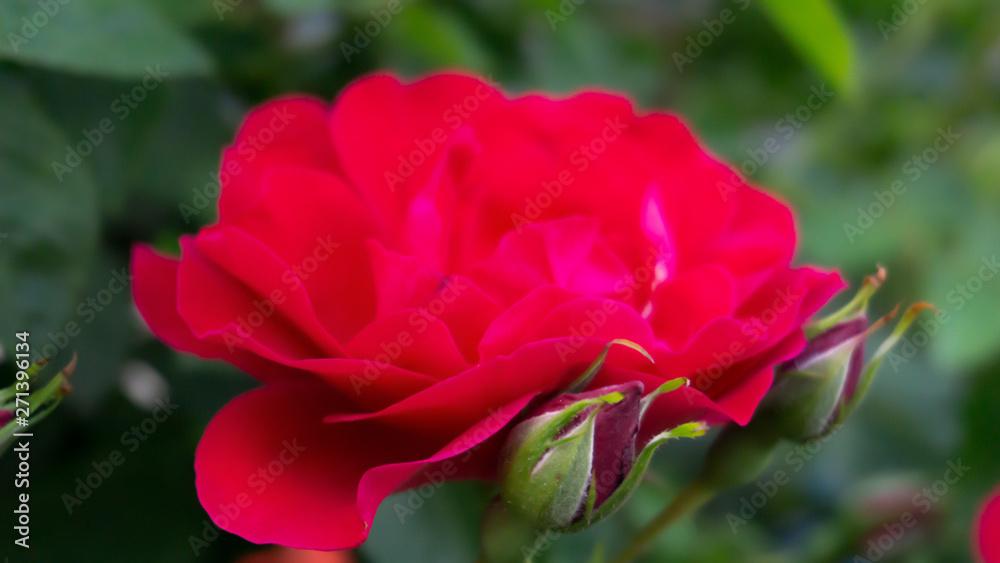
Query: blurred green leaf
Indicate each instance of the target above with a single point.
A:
(816, 31)
(299, 7)
(107, 331)
(180, 151)
(104, 37)
(154, 481)
(577, 55)
(963, 282)
(437, 522)
(188, 13)
(425, 37)
(78, 104)
(982, 425)
(50, 225)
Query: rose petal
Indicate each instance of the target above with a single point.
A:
(326, 496)
(685, 303)
(567, 253)
(390, 136)
(410, 339)
(222, 308)
(317, 226)
(155, 293)
(505, 334)
(986, 529)
(278, 287)
(284, 133)
(271, 471)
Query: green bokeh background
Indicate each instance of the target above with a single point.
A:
(895, 83)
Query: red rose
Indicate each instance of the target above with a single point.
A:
(986, 530)
(407, 269)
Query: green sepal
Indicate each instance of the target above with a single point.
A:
(40, 403)
(588, 375)
(564, 473)
(803, 402)
(807, 400)
(545, 478)
(854, 308)
(868, 374)
(7, 394)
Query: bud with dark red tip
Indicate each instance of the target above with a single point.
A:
(819, 388)
(575, 460)
(812, 394)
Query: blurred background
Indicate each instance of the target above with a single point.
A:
(878, 120)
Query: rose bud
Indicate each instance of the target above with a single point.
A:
(816, 391)
(812, 394)
(5, 417)
(809, 389)
(574, 461)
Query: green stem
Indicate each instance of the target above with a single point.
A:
(690, 499)
(46, 399)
